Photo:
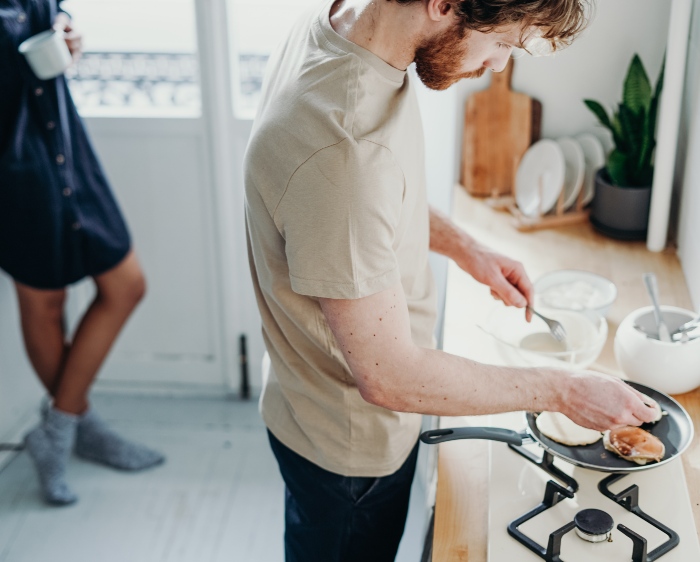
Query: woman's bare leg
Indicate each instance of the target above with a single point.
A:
(119, 290)
(43, 331)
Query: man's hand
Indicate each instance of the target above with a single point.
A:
(604, 402)
(74, 39)
(505, 277)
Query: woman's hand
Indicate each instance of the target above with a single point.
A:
(505, 277)
(74, 39)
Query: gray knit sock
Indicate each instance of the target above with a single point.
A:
(49, 446)
(96, 442)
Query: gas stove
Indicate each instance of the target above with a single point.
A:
(572, 514)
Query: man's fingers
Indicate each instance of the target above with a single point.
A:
(509, 294)
(645, 413)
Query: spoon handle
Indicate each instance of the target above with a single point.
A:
(653, 290)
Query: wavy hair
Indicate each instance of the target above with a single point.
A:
(559, 22)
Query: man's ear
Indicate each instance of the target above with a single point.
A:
(438, 9)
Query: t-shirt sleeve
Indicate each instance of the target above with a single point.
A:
(338, 217)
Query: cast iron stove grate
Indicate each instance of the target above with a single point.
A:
(590, 524)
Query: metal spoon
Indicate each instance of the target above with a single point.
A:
(689, 325)
(653, 290)
(687, 335)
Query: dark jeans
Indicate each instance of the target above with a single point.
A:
(333, 518)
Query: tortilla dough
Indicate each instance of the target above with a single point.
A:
(561, 429)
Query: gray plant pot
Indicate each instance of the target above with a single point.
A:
(620, 212)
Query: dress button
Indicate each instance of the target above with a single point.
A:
(76, 226)
(22, 17)
(67, 191)
(38, 91)
(60, 159)
(51, 125)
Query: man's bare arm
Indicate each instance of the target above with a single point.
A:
(391, 371)
(504, 276)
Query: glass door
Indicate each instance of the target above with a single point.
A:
(140, 58)
(139, 87)
(255, 29)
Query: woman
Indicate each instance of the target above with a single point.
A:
(59, 223)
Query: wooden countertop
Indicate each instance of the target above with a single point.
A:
(461, 508)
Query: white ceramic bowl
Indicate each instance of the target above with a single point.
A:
(673, 368)
(573, 289)
(523, 344)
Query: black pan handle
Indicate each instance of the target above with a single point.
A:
(436, 436)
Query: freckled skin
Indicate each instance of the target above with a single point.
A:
(409, 372)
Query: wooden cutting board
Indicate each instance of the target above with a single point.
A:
(499, 126)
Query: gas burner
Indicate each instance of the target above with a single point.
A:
(518, 482)
(593, 525)
(629, 499)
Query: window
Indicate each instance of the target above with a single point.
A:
(140, 57)
(255, 28)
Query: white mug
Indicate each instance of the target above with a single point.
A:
(47, 53)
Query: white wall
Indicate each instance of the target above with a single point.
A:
(688, 176)
(20, 391)
(593, 67)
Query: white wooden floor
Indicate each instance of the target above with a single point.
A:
(218, 498)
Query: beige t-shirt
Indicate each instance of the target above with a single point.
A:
(336, 207)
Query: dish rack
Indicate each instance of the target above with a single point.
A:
(556, 217)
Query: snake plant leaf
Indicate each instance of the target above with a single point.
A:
(599, 112)
(660, 80)
(646, 177)
(618, 136)
(648, 143)
(617, 168)
(636, 93)
(632, 125)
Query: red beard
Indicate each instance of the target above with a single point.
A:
(439, 60)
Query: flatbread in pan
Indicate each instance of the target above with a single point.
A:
(675, 430)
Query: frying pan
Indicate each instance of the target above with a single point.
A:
(675, 430)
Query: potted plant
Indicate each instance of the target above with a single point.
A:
(620, 208)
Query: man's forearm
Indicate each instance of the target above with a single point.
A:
(446, 238)
(437, 383)
(374, 334)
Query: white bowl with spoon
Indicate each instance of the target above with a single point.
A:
(671, 367)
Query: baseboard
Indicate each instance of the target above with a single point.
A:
(170, 390)
(15, 437)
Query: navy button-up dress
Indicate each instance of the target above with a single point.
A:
(59, 221)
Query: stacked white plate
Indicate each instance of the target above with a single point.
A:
(549, 166)
(594, 154)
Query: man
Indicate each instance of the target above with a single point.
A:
(339, 232)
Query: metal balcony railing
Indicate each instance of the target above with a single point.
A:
(152, 80)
